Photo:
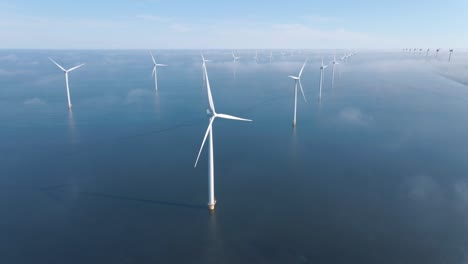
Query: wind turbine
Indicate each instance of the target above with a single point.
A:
(155, 72)
(437, 52)
(271, 55)
(256, 57)
(333, 71)
(297, 79)
(66, 79)
(450, 54)
(427, 52)
(234, 58)
(322, 67)
(209, 131)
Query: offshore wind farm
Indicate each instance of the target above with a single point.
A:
(351, 150)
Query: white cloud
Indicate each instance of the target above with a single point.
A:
(317, 19)
(422, 188)
(461, 191)
(353, 116)
(136, 95)
(154, 18)
(4, 72)
(171, 32)
(180, 28)
(9, 57)
(34, 101)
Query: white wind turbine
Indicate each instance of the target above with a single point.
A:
(155, 72)
(271, 55)
(256, 57)
(209, 131)
(333, 71)
(450, 54)
(427, 52)
(322, 67)
(66, 79)
(297, 79)
(234, 58)
(437, 52)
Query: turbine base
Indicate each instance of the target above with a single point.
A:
(211, 206)
(294, 124)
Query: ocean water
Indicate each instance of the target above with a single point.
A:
(374, 172)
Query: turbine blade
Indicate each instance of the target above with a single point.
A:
(152, 57)
(300, 73)
(293, 77)
(232, 117)
(57, 64)
(208, 88)
(154, 71)
(208, 130)
(76, 67)
(303, 95)
(162, 65)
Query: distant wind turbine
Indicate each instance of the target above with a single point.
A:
(209, 131)
(234, 58)
(256, 57)
(297, 79)
(437, 52)
(322, 67)
(155, 72)
(333, 71)
(450, 54)
(271, 55)
(427, 52)
(66, 79)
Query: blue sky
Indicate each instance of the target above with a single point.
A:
(236, 24)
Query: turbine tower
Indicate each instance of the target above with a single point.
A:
(155, 72)
(427, 52)
(256, 57)
(66, 79)
(450, 54)
(297, 79)
(209, 132)
(322, 67)
(437, 52)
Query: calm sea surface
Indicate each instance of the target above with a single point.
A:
(376, 172)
